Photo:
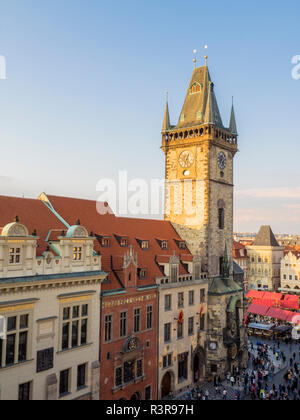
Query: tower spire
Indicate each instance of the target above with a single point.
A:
(232, 125)
(166, 123)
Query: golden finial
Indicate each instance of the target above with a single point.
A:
(206, 57)
(195, 59)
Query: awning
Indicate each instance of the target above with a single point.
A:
(255, 294)
(265, 327)
(258, 309)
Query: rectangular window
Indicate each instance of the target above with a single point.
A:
(191, 297)
(123, 324)
(64, 382)
(149, 317)
(22, 347)
(65, 336)
(165, 361)
(105, 243)
(75, 333)
(14, 256)
(179, 330)
(167, 332)
(45, 360)
(10, 349)
(11, 323)
(191, 326)
(202, 296)
(108, 327)
(84, 324)
(180, 300)
(119, 373)
(25, 392)
(164, 245)
(139, 368)
(168, 302)
(14, 349)
(137, 320)
(77, 253)
(74, 328)
(145, 245)
(128, 371)
(81, 376)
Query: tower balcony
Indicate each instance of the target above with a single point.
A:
(198, 134)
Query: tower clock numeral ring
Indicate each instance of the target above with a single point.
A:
(186, 159)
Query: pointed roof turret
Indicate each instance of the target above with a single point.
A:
(232, 125)
(166, 123)
(200, 104)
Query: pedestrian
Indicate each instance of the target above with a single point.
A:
(224, 394)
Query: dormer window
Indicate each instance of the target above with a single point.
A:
(105, 243)
(124, 242)
(77, 254)
(164, 245)
(14, 256)
(196, 88)
(143, 273)
(145, 244)
(182, 245)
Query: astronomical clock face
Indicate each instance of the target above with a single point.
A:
(232, 351)
(222, 161)
(186, 159)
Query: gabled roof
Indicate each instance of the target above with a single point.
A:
(265, 237)
(202, 103)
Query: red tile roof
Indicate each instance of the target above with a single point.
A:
(33, 214)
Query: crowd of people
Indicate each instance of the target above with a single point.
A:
(272, 374)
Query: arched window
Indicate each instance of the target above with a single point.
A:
(196, 88)
(221, 218)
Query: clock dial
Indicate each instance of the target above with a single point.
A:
(186, 159)
(222, 161)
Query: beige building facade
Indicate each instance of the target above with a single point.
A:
(51, 307)
(290, 273)
(182, 328)
(265, 257)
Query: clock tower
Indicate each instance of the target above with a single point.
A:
(199, 154)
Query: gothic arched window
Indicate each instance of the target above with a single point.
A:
(221, 218)
(196, 88)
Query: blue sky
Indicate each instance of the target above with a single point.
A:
(85, 93)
